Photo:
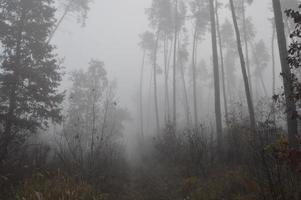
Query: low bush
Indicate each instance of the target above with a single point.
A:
(57, 187)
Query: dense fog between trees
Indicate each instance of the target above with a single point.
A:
(150, 99)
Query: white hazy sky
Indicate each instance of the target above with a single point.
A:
(111, 35)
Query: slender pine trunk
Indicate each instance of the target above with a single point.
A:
(286, 73)
(149, 125)
(243, 69)
(174, 67)
(218, 116)
(273, 60)
(105, 117)
(169, 57)
(93, 128)
(141, 96)
(273, 70)
(222, 64)
(166, 85)
(187, 110)
(193, 65)
(155, 84)
(247, 48)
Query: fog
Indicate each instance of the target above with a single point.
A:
(100, 38)
(150, 99)
(111, 34)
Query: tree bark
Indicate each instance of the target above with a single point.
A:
(218, 116)
(105, 117)
(273, 71)
(222, 64)
(174, 67)
(93, 126)
(166, 72)
(193, 65)
(286, 73)
(243, 69)
(247, 48)
(273, 59)
(141, 95)
(155, 84)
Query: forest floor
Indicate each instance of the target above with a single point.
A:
(150, 179)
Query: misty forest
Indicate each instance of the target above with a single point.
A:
(150, 100)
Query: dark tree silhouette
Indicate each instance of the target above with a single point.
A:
(221, 54)
(175, 64)
(294, 61)
(29, 70)
(243, 68)
(218, 114)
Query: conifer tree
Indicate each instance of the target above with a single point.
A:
(30, 71)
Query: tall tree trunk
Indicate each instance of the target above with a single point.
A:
(169, 57)
(286, 73)
(273, 71)
(149, 124)
(93, 128)
(105, 117)
(166, 72)
(222, 63)
(273, 60)
(243, 69)
(193, 65)
(218, 114)
(247, 47)
(141, 96)
(169, 60)
(155, 83)
(174, 67)
(187, 110)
